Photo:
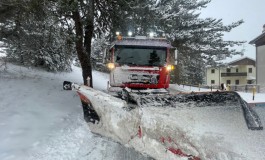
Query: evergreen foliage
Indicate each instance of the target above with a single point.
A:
(49, 32)
(199, 41)
(34, 37)
(99, 48)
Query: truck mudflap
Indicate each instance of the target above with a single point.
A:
(150, 128)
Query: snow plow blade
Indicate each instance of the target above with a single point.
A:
(165, 126)
(204, 99)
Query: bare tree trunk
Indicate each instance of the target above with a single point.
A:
(82, 56)
(18, 32)
(89, 28)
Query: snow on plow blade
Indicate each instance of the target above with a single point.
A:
(204, 99)
(158, 128)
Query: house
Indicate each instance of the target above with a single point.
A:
(259, 42)
(239, 72)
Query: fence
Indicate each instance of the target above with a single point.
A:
(240, 88)
(245, 88)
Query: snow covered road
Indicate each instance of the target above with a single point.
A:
(39, 120)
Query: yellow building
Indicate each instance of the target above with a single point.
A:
(239, 72)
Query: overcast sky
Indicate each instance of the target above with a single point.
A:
(251, 11)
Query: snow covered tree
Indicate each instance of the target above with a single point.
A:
(91, 18)
(195, 38)
(34, 37)
(99, 46)
(192, 71)
(74, 23)
(134, 16)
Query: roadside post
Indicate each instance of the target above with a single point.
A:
(228, 87)
(88, 81)
(254, 92)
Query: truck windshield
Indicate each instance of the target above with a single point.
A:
(140, 56)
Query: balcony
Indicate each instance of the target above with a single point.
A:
(234, 74)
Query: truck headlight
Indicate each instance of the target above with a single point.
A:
(170, 67)
(111, 65)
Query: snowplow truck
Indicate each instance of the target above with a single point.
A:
(143, 114)
(140, 63)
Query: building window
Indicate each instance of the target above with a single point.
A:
(236, 70)
(249, 81)
(237, 82)
(228, 70)
(249, 70)
(213, 70)
(212, 81)
(228, 81)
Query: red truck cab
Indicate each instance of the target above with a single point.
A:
(140, 63)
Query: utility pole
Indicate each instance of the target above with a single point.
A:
(219, 76)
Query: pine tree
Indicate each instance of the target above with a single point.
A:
(195, 38)
(91, 18)
(99, 48)
(39, 31)
(34, 37)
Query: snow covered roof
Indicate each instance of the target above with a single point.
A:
(260, 40)
(151, 42)
(243, 61)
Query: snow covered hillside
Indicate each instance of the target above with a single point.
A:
(39, 120)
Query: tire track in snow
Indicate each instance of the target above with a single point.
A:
(77, 142)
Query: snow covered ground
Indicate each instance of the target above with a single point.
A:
(39, 120)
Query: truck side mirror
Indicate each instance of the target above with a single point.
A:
(107, 56)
